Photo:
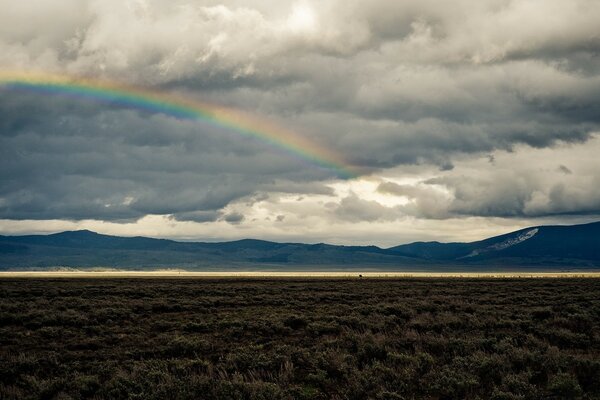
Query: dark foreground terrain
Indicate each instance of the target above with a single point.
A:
(300, 339)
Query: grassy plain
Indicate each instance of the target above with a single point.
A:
(158, 337)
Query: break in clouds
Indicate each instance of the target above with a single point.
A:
(462, 115)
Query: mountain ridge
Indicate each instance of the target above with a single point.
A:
(551, 247)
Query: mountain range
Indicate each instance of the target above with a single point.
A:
(575, 247)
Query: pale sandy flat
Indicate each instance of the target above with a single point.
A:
(288, 274)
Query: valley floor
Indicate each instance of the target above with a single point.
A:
(300, 338)
(289, 274)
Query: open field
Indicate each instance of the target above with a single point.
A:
(293, 337)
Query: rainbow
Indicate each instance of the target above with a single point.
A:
(182, 108)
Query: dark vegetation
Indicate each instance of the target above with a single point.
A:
(300, 339)
(542, 248)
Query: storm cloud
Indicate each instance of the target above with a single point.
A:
(417, 95)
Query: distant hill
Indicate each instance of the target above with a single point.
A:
(541, 247)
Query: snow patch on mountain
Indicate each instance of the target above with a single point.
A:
(505, 243)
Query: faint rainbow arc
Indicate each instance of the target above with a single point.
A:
(184, 108)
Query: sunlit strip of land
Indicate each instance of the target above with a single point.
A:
(288, 274)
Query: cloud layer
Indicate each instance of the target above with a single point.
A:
(450, 109)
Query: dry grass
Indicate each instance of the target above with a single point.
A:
(299, 338)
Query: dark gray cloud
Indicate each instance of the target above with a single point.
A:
(234, 218)
(564, 170)
(68, 162)
(198, 216)
(386, 84)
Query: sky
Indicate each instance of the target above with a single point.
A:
(464, 119)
